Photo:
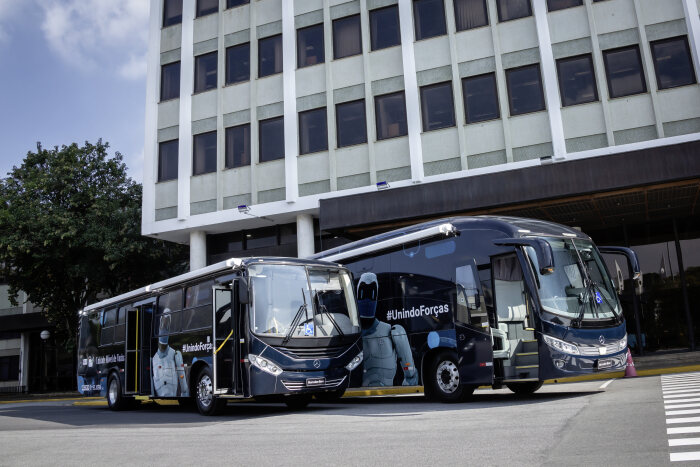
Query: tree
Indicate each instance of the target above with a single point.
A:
(70, 222)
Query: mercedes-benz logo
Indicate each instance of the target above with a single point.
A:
(601, 339)
(317, 363)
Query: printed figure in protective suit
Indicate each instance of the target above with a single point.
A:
(381, 342)
(169, 378)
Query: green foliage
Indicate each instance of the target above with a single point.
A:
(70, 221)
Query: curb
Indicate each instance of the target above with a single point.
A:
(58, 399)
(620, 374)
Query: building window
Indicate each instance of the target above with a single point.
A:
(238, 63)
(9, 368)
(672, 61)
(205, 72)
(577, 80)
(384, 27)
(623, 68)
(351, 123)
(204, 153)
(437, 106)
(271, 134)
(470, 14)
(429, 18)
(480, 98)
(207, 7)
(270, 56)
(170, 81)
(237, 146)
(167, 160)
(390, 111)
(347, 37)
(310, 46)
(513, 9)
(554, 5)
(172, 12)
(525, 89)
(234, 3)
(313, 131)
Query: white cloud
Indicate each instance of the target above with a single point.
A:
(94, 34)
(8, 8)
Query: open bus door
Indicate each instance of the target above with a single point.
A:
(226, 337)
(137, 378)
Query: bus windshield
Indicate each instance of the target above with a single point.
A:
(579, 288)
(300, 301)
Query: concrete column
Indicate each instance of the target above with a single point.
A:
(692, 21)
(198, 249)
(291, 129)
(24, 360)
(305, 235)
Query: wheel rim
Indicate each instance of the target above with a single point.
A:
(113, 391)
(204, 391)
(447, 377)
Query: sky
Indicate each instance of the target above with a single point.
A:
(72, 71)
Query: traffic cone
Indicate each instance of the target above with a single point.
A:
(630, 372)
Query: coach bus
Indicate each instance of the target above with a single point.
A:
(276, 328)
(457, 303)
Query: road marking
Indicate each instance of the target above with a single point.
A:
(676, 396)
(671, 421)
(607, 383)
(696, 399)
(683, 430)
(682, 392)
(683, 441)
(681, 406)
(685, 456)
(682, 412)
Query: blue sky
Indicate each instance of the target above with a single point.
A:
(71, 71)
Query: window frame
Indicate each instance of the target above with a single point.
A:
(371, 14)
(198, 14)
(500, 16)
(176, 143)
(335, 41)
(641, 70)
(242, 2)
(337, 126)
(423, 108)
(416, 16)
(196, 81)
(194, 153)
(162, 76)
(301, 139)
(689, 54)
(376, 114)
(486, 9)
(260, 138)
(508, 90)
(264, 39)
(550, 9)
(227, 80)
(226, 146)
(596, 95)
(322, 47)
(165, 8)
(492, 74)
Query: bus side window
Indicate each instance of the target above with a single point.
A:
(109, 318)
(120, 328)
(471, 308)
(197, 313)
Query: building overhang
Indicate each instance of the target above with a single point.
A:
(23, 322)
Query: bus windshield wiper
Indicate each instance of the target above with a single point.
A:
(599, 290)
(295, 321)
(322, 309)
(582, 306)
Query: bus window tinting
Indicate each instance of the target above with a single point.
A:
(351, 123)
(167, 160)
(470, 14)
(384, 27)
(172, 12)
(207, 7)
(271, 133)
(170, 81)
(172, 301)
(624, 71)
(673, 64)
(310, 46)
(197, 313)
(429, 18)
(577, 83)
(270, 56)
(480, 98)
(238, 63)
(205, 72)
(238, 146)
(553, 5)
(525, 90)
(347, 37)
(513, 9)
(390, 110)
(437, 107)
(204, 153)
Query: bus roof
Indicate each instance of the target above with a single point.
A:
(229, 264)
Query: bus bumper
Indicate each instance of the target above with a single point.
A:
(561, 365)
(299, 382)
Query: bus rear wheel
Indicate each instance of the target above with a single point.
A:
(524, 388)
(207, 402)
(115, 398)
(443, 379)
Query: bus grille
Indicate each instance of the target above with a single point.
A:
(314, 352)
(297, 385)
(594, 350)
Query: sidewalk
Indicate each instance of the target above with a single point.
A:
(667, 359)
(33, 397)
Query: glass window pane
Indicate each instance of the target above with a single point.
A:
(271, 139)
(624, 70)
(674, 67)
(429, 18)
(437, 107)
(207, 7)
(525, 89)
(351, 123)
(313, 131)
(170, 81)
(167, 160)
(384, 27)
(205, 72)
(172, 12)
(576, 80)
(390, 112)
(554, 5)
(270, 56)
(204, 153)
(310, 46)
(233, 3)
(513, 9)
(238, 146)
(470, 14)
(238, 63)
(347, 38)
(481, 98)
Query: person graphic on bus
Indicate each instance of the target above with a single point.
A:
(168, 369)
(382, 343)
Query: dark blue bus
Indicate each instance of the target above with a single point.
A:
(457, 303)
(275, 328)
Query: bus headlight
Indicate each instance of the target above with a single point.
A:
(355, 362)
(560, 345)
(264, 364)
(623, 343)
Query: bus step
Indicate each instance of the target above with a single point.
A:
(526, 366)
(524, 354)
(519, 380)
(529, 329)
(529, 340)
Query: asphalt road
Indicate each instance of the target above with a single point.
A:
(623, 423)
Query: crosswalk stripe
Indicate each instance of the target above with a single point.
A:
(682, 430)
(680, 391)
(683, 441)
(683, 420)
(678, 401)
(681, 412)
(676, 396)
(685, 456)
(681, 383)
(681, 406)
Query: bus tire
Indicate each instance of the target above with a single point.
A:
(115, 398)
(298, 401)
(524, 388)
(207, 402)
(443, 381)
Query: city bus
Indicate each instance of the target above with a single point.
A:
(275, 328)
(457, 303)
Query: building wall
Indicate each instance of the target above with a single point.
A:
(13, 345)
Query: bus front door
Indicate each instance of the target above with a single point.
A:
(224, 336)
(137, 349)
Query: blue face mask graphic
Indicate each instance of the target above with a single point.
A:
(367, 308)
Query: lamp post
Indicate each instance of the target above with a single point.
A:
(45, 334)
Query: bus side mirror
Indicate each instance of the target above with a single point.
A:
(633, 261)
(243, 297)
(543, 250)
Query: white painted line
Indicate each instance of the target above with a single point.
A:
(683, 420)
(683, 441)
(681, 381)
(680, 385)
(606, 384)
(681, 406)
(681, 378)
(682, 412)
(687, 394)
(678, 401)
(679, 391)
(685, 456)
(681, 430)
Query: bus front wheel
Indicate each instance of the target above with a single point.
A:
(524, 388)
(207, 402)
(443, 379)
(115, 398)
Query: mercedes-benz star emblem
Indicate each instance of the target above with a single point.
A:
(317, 363)
(601, 339)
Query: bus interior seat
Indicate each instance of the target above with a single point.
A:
(510, 301)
